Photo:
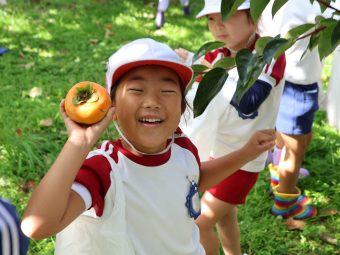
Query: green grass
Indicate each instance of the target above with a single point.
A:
(55, 44)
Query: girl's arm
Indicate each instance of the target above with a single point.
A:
(53, 205)
(253, 98)
(216, 170)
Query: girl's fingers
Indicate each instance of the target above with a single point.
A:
(101, 125)
(268, 131)
(62, 109)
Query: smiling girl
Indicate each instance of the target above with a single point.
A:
(138, 194)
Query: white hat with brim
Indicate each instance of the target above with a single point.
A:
(144, 52)
(214, 6)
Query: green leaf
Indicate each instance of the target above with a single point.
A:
(277, 6)
(208, 88)
(256, 66)
(226, 7)
(199, 68)
(261, 44)
(299, 30)
(229, 7)
(225, 63)
(243, 59)
(283, 48)
(325, 41)
(257, 7)
(314, 41)
(205, 48)
(336, 35)
(319, 19)
(194, 78)
(272, 47)
(324, 7)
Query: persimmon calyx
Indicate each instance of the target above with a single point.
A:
(85, 95)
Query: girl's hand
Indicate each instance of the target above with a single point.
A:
(206, 63)
(183, 54)
(260, 142)
(85, 135)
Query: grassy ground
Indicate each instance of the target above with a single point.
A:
(55, 44)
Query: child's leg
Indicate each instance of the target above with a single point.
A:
(160, 15)
(186, 7)
(277, 152)
(185, 3)
(224, 216)
(163, 5)
(288, 201)
(295, 147)
(219, 208)
(229, 232)
(211, 211)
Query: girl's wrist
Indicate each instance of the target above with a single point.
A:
(79, 144)
(247, 154)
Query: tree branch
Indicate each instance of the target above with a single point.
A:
(327, 5)
(317, 30)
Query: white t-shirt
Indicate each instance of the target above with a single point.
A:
(138, 203)
(220, 130)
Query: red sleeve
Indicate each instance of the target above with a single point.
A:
(183, 141)
(212, 56)
(277, 68)
(95, 176)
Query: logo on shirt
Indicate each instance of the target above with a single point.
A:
(193, 201)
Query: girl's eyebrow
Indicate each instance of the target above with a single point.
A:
(169, 79)
(164, 79)
(137, 77)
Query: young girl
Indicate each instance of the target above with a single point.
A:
(135, 195)
(225, 127)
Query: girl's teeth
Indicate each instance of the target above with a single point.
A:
(151, 120)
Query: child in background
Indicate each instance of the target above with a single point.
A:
(138, 194)
(225, 127)
(12, 240)
(163, 6)
(298, 106)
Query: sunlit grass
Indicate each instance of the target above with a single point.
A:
(55, 44)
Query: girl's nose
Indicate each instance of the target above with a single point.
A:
(152, 100)
(220, 24)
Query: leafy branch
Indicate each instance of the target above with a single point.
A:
(324, 34)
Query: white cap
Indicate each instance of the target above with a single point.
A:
(143, 52)
(214, 6)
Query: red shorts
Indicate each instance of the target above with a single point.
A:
(235, 188)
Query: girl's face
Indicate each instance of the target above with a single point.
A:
(148, 104)
(234, 32)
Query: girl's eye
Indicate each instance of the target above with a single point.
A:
(168, 91)
(135, 90)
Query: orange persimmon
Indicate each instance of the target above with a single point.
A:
(87, 102)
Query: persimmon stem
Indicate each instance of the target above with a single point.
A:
(85, 94)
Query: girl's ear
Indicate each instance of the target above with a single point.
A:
(114, 116)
